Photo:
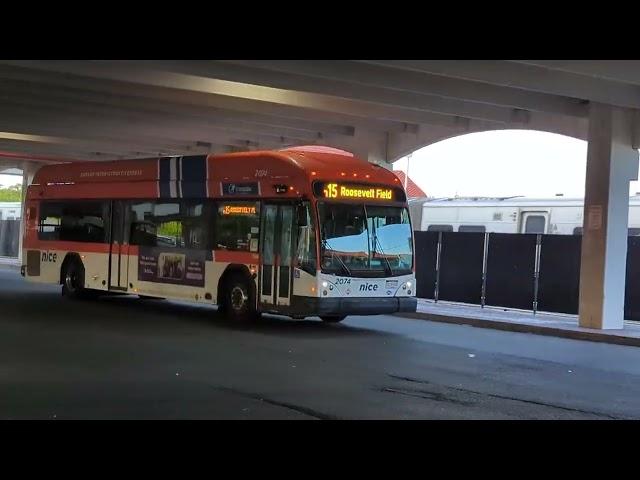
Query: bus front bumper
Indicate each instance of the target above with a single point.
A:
(357, 306)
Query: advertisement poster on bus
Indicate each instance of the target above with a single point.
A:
(178, 266)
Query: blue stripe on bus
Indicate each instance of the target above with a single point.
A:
(165, 169)
(165, 175)
(194, 168)
(190, 176)
(194, 189)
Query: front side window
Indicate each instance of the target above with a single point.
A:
(306, 252)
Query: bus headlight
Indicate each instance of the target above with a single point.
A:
(324, 284)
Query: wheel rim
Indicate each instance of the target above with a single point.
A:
(70, 280)
(238, 298)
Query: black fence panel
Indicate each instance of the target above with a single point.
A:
(559, 282)
(632, 288)
(511, 261)
(426, 255)
(9, 238)
(461, 259)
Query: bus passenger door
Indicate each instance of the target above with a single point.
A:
(276, 267)
(119, 248)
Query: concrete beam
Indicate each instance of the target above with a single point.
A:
(137, 73)
(31, 93)
(426, 85)
(532, 78)
(175, 132)
(285, 75)
(49, 74)
(37, 107)
(625, 71)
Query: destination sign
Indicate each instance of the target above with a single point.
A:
(336, 190)
(238, 210)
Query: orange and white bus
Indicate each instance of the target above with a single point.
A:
(309, 231)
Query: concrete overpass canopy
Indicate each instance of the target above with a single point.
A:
(380, 110)
(93, 110)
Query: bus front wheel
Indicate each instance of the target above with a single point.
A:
(332, 318)
(239, 299)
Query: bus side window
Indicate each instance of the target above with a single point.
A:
(237, 225)
(143, 233)
(169, 224)
(73, 221)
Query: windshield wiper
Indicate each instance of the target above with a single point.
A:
(333, 255)
(384, 255)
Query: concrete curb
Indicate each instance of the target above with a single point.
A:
(582, 334)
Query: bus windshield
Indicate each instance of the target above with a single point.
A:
(365, 240)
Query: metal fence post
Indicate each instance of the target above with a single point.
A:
(485, 255)
(438, 249)
(536, 272)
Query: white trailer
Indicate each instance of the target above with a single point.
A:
(559, 215)
(10, 210)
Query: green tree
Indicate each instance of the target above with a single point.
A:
(11, 194)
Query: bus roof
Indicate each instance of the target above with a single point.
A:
(322, 162)
(294, 167)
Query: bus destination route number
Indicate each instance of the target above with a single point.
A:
(337, 190)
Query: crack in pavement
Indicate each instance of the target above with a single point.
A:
(438, 397)
(505, 397)
(297, 408)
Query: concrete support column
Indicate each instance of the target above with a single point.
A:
(612, 163)
(28, 171)
(370, 146)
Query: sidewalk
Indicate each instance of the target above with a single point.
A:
(552, 324)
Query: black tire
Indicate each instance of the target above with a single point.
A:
(332, 318)
(73, 281)
(239, 299)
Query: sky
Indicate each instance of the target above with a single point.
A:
(502, 163)
(8, 180)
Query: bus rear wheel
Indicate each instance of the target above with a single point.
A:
(73, 281)
(239, 299)
(332, 318)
